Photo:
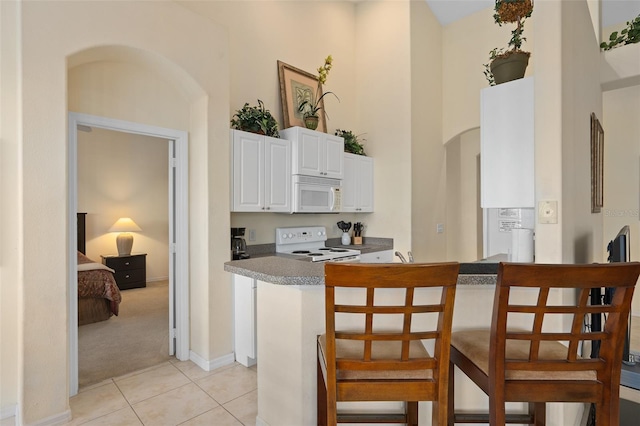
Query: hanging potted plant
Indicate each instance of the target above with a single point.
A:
(509, 64)
(310, 108)
(255, 119)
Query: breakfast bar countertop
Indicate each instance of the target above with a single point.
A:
(288, 270)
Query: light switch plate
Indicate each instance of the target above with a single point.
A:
(548, 212)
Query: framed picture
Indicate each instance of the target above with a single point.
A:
(297, 86)
(597, 165)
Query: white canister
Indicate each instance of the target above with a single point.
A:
(346, 239)
(522, 245)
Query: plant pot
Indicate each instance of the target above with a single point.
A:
(311, 122)
(510, 68)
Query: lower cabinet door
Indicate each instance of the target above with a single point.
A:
(244, 289)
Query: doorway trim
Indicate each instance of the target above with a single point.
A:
(179, 249)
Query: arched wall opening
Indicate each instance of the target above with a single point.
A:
(464, 215)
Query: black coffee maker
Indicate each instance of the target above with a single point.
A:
(238, 244)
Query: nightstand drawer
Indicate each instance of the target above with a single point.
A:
(131, 279)
(122, 263)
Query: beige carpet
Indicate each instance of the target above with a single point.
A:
(138, 338)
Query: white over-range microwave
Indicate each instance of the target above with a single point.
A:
(316, 194)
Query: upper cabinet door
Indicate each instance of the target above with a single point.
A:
(248, 171)
(261, 173)
(365, 184)
(507, 145)
(277, 175)
(357, 185)
(334, 158)
(315, 153)
(310, 153)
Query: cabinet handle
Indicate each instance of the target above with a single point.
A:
(263, 208)
(126, 263)
(268, 208)
(126, 276)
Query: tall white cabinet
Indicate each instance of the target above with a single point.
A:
(357, 185)
(261, 173)
(507, 145)
(315, 153)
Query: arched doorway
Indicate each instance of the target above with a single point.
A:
(119, 68)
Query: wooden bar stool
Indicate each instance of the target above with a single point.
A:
(366, 359)
(539, 362)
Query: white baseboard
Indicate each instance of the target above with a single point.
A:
(57, 419)
(150, 280)
(212, 364)
(8, 411)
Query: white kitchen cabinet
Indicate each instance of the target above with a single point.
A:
(507, 145)
(244, 290)
(357, 185)
(384, 256)
(315, 153)
(261, 173)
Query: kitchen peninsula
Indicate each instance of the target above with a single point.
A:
(290, 314)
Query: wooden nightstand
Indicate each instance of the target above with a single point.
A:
(131, 271)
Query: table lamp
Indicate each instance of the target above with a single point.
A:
(124, 240)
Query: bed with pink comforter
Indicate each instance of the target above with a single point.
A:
(98, 294)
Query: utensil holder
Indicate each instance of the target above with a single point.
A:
(346, 239)
(357, 241)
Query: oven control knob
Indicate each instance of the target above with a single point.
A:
(290, 235)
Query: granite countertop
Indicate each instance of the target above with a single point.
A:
(289, 270)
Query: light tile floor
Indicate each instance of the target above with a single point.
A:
(181, 393)
(172, 393)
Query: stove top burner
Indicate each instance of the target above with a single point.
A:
(308, 244)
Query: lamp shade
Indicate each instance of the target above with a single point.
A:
(124, 241)
(124, 224)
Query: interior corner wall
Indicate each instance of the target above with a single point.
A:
(622, 170)
(51, 32)
(428, 160)
(383, 103)
(548, 126)
(581, 96)
(10, 220)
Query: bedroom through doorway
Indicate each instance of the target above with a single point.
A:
(125, 175)
(108, 185)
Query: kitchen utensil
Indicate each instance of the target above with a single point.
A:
(410, 257)
(344, 226)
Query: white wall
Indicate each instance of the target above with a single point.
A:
(10, 218)
(51, 32)
(125, 175)
(581, 96)
(427, 153)
(621, 169)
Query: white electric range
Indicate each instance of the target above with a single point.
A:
(308, 243)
